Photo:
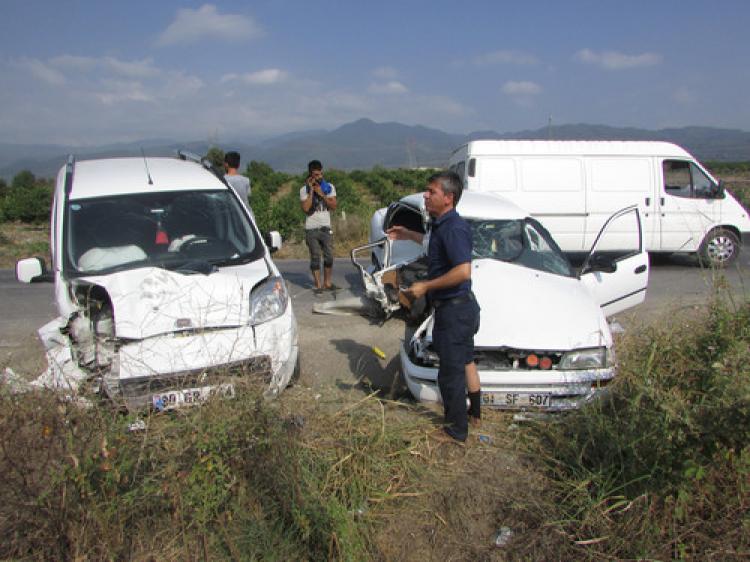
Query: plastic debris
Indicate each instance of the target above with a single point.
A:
(484, 439)
(502, 536)
(137, 425)
(379, 352)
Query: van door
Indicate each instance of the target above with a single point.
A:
(616, 269)
(689, 205)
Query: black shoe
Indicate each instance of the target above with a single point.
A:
(317, 291)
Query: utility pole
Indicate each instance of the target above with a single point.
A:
(549, 128)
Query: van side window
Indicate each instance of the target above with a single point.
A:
(685, 179)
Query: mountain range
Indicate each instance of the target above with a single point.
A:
(364, 143)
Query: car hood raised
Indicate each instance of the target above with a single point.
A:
(152, 301)
(524, 308)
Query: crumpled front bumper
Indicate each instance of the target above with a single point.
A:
(568, 390)
(212, 358)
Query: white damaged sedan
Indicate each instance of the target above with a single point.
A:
(166, 290)
(544, 342)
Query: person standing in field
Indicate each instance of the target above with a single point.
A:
(318, 199)
(238, 182)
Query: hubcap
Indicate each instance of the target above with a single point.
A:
(720, 249)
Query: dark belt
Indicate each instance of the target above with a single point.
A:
(460, 299)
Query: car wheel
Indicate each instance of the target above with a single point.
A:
(719, 249)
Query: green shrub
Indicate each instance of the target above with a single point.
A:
(660, 468)
(232, 479)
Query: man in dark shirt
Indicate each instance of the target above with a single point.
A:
(449, 290)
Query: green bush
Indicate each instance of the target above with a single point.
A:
(28, 199)
(660, 468)
(230, 480)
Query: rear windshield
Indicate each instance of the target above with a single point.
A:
(169, 230)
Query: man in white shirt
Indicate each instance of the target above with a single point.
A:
(318, 198)
(238, 182)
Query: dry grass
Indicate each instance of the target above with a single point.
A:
(18, 240)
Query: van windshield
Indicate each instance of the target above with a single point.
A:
(194, 231)
(522, 242)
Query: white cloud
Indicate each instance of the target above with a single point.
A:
(505, 57)
(266, 77)
(131, 69)
(612, 60)
(521, 88)
(206, 22)
(119, 91)
(385, 73)
(388, 88)
(41, 71)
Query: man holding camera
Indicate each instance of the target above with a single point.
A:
(318, 199)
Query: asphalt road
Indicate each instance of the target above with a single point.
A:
(337, 349)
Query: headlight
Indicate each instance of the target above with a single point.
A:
(268, 300)
(592, 358)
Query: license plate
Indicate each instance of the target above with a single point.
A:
(189, 396)
(516, 399)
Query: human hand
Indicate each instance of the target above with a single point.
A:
(398, 233)
(417, 290)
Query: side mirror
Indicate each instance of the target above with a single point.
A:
(273, 241)
(601, 262)
(32, 270)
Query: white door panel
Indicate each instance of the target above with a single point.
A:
(620, 242)
(622, 289)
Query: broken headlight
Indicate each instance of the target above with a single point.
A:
(268, 300)
(592, 358)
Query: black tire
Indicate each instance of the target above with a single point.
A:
(719, 249)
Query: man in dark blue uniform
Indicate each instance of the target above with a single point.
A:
(449, 290)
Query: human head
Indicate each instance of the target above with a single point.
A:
(232, 159)
(443, 192)
(314, 166)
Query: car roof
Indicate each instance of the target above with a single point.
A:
(122, 176)
(572, 148)
(477, 205)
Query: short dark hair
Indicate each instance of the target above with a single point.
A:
(232, 159)
(314, 165)
(450, 182)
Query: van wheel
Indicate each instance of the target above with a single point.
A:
(719, 248)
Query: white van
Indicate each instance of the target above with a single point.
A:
(572, 187)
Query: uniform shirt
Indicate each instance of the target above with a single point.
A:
(450, 245)
(319, 215)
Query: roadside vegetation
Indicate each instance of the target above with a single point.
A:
(659, 470)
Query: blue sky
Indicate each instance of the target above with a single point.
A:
(87, 72)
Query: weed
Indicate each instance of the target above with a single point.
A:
(660, 467)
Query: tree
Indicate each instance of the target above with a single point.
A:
(22, 179)
(215, 155)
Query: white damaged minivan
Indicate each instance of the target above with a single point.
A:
(544, 342)
(165, 289)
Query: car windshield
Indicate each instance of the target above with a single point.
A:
(192, 231)
(523, 242)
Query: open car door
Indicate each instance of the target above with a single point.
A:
(382, 279)
(616, 269)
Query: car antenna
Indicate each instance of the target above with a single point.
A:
(145, 163)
